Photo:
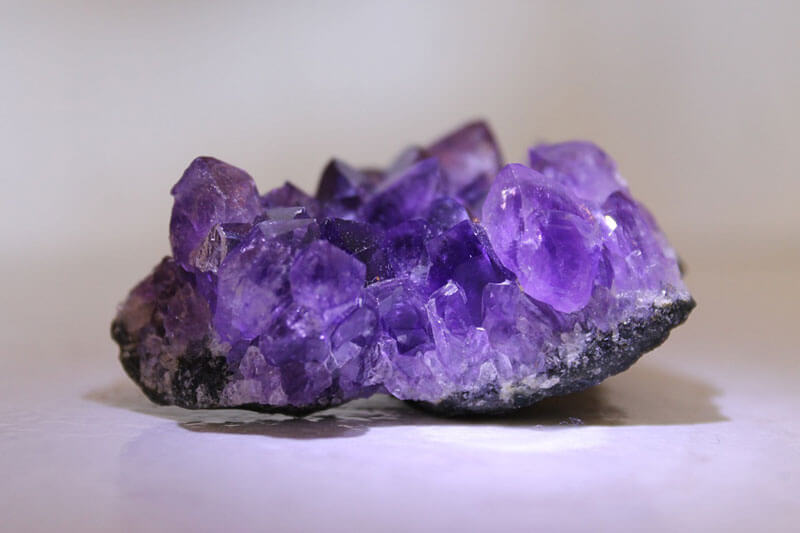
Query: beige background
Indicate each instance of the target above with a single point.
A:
(105, 103)
(102, 106)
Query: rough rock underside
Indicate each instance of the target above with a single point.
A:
(447, 279)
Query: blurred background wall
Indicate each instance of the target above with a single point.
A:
(103, 104)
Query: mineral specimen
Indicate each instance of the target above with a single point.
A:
(447, 280)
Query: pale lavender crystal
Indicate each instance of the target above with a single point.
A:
(324, 277)
(251, 282)
(387, 281)
(638, 253)
(544, 235)
(580, 166)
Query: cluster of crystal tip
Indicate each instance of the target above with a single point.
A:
(447, 279)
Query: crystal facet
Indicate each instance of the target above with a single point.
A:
(544, 235)
(447, 280)
(210, 192)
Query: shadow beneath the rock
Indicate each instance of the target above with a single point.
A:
(643, 396)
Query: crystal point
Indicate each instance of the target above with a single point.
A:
(470, 160)
(210, 192)
(545, 235)
(580, 166)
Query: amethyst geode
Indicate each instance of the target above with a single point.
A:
(447, 280)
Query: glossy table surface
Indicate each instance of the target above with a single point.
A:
(704, 433)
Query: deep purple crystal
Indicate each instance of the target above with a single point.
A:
(387, 281)
(406, 195)
(470, 160)
(289, 195)
(210, 192)
(342, 189)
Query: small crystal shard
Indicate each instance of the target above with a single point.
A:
(447, 279)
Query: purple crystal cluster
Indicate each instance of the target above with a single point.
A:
(446, 279)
